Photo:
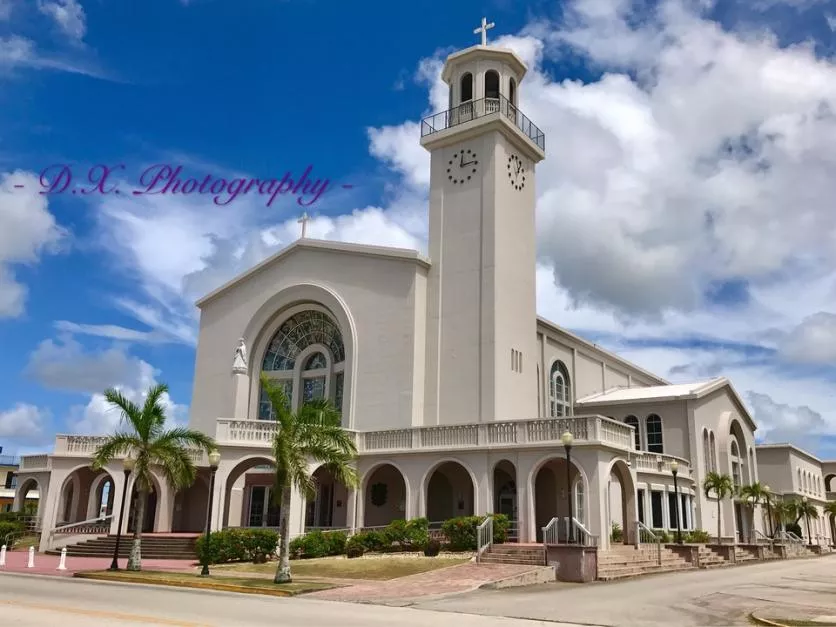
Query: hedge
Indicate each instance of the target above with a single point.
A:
(318, 544)
(236, 545)
(461, 532)
(13, 529)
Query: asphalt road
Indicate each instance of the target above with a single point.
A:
(31, 601)
(724, 596)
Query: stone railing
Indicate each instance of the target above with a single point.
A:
(585, 429)
(83, 445)
(35, 462)
(644, 461)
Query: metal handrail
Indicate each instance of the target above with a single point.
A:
(591, 540)
(484, 537)
(766, 538)
(83, 523)
(475, 109)
(551, 531)
(641, 528)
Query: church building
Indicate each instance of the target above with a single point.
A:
(460, 398)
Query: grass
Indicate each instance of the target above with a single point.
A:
(342, 568)
(229, 584)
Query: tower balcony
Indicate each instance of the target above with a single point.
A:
(484, 108)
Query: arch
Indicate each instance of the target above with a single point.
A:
(512, 91)
(492, 84)
(152, 512)
(100, 503)
(737, 451)
(654, 433)
(76, 493)
(466, 88)
(560, 390)
(541, 510)
(713, 445)
(452, 496)
(828, 485)
(22, 504)
(637, 436)
(329, 507)
(505, 493)
(627, 501)
(249, 511)
(267, 319)
(382, 506)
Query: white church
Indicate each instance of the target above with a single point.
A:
(458, 395)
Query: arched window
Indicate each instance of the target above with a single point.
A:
(580, 511)
(321, 372)
(466, 87)
(800, 480)
(634, 422)
(654, 434)
(713, 445)
(492, 84)
(706, 450)
(734, 451)
(512, 91)
(560, 398)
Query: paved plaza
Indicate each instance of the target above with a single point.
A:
(16, 562)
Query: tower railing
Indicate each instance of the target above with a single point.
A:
(475, 109)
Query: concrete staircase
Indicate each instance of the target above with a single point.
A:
(153, 547)
(628, 561)
(527, 554)
(742, 555)
(709, 558)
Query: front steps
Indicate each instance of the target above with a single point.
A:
(525, 554)
(623, 561)
(152, 547)
(709, 558)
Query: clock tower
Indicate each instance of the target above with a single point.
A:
(481, 309)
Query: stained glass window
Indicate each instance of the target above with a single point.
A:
(313, 388)
(338, 392)
(316, 361)
(265, 407)
(296, 334)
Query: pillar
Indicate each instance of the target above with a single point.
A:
(240, 394)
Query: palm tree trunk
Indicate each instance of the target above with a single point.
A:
(283, 570)
(135, 558)
(719, 514)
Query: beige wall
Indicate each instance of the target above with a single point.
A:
(376, 301)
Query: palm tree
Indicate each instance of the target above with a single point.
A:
(722, 487)
(829, 510)
(753, 495)
(314, 433)
(150, 445)
(805, 509)
(784, 512)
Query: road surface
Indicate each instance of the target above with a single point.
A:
(723, 596)
(35, 601)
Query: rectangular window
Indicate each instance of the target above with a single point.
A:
(686, 513)
(313, 389)
(256, 517)
(654, 436)
(673, 514)
(656, 521)
(640, 497)
(338, 391)
(10, 480)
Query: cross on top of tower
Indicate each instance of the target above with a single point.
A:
(304, 222)
(484, 30)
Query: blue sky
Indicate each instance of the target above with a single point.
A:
(655, 238)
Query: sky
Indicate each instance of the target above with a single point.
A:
(685, 209)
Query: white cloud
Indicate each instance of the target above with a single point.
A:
(24, 424)
(780, 422)
(68, 15)
(112, 331)
(812, 341)
(66, 365)
(27, 231)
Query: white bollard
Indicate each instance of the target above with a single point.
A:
(3, 555)
(31, 563)
(62, 565)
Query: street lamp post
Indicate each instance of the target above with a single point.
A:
(567, 440)
(807, 519)
(675, 470)
(214, 460)
(769, 509)
(127, 467)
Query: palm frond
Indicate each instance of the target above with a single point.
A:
(114, 446)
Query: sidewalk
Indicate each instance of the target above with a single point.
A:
(48, 564)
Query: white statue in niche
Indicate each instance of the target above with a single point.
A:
(239, 363)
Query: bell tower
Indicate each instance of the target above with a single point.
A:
(481, 309)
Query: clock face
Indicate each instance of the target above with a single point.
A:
(462, 166)
(516, 172)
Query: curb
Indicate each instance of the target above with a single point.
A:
(223, 587)
(763, 621)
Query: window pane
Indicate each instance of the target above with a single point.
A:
(656, 510)
(316, 361)
(672, 513)
(338, 391)
(265, 407)
(640, 497)
(256, 506)
(313, 388)
(296, 334)
(654, 434)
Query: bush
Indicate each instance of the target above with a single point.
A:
(664, 536)
(617, 534)
(10, 531)
(236, 545)
(461, 532)
(372, 541)
(354, 547)
(794, 528)
(407, 535)
(432, 548)
(318, 544)
(697, 536)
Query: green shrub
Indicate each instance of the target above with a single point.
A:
(318, 544)
(461, 532)
(697, 536)
(236, 545)
(617, 534)
(10, 531)
(407, 535)
(432, 548)
(664, 536)
(795, 528)
(354, 547)
(501, 524)
(372, 541)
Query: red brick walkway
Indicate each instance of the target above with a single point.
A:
(48, 564)
(449, 580)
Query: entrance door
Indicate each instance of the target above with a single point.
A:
(738, 521)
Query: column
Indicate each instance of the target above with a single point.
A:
(240, 394)
(666, 509)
